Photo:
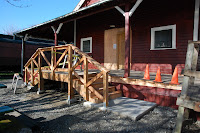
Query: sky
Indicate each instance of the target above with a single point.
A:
(32, 12)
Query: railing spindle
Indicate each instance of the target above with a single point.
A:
(32, 72)
(52, 64)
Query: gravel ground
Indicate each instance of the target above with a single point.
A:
(55, 116)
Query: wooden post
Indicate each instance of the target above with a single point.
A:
(32, 73)
(127, 42)
(188, 66)
(26, 77)
(86, 78)
(105, 89)
(191, 59)
(180, 118)
(40, 80)
(70, 80)
(22, 55)
(52, 64)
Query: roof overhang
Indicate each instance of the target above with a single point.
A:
(70, 17)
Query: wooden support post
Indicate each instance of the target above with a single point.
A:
(40, 78)
(52, 64)
(180, 118)
(32, 73)
(105, 89)
(127, 42)
(22, 55)
(86, 78)
(70, 80)
(188, 66)
(24, 39)
(194, 63)
(190, 63)
(26, 76)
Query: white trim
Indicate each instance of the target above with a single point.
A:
(196, 21)
(86, 39)
(120, 10)
(59, 28)
(135, 7)
(173, 27)
(79, 5)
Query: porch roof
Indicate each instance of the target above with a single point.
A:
(44, 30)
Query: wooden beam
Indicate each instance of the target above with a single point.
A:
(90, 59)
(35, 62)
(105, 89)
(188, 66)
(135, 7)
(26, 75)
(120, 10)
(143, 83)
(40, 78)
(61, 57)
(52, 64)
(86, 79)
(32, 73)
(95, 78)
(45, 58)
(188, 103)
(70, 80)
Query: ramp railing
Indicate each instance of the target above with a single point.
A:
(39, 63)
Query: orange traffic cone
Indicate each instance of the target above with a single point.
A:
(146, 74)
(158, 76)
(175, 77)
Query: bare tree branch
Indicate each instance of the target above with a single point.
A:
(19, 5)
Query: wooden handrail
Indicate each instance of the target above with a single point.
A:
(90, 59)
(32, 57)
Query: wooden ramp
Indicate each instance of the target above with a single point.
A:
(91, 86)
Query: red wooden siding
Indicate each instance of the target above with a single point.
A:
(156, 13)
(94, 26)
(10, 54)
(149, 14)
(161, 96)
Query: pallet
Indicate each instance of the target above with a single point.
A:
(190, 96)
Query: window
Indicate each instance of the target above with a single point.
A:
(163, 37)
(86, 44)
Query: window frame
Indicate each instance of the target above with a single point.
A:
(86, 39)
(169, 27)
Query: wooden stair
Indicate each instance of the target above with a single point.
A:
(98, 86)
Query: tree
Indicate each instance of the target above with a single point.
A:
(18, 3)
(9, 30)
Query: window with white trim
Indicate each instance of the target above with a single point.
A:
(86, 45)
(163, 37)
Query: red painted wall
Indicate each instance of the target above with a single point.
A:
(161, 96)
(156, 13)
(149, 14)
(10, 55)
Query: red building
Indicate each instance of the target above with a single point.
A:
(117, 33)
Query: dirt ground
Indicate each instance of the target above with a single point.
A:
(54, 115)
